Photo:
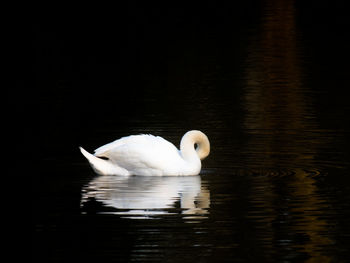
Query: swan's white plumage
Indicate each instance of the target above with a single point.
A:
(149, 155)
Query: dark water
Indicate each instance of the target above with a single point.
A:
(265, 80)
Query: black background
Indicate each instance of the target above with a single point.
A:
(90, 63)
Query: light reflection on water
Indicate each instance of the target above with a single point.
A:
(146, 197)
(281, 122)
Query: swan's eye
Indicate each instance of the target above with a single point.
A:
(196, 146)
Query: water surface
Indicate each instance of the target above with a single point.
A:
(265, 90)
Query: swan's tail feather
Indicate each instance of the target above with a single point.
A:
(100, 166)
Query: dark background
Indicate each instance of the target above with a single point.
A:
(90, 64)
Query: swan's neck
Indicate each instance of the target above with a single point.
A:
(188, 151)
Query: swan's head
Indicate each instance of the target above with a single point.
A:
(188, 141)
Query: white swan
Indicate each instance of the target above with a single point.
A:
(150, 155)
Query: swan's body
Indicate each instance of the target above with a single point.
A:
(150, 155)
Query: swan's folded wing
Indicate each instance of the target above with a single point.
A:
(146, 154)
(103, 150)
(132, 157)
(138, 139)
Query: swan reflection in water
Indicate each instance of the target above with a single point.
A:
(147, 196)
